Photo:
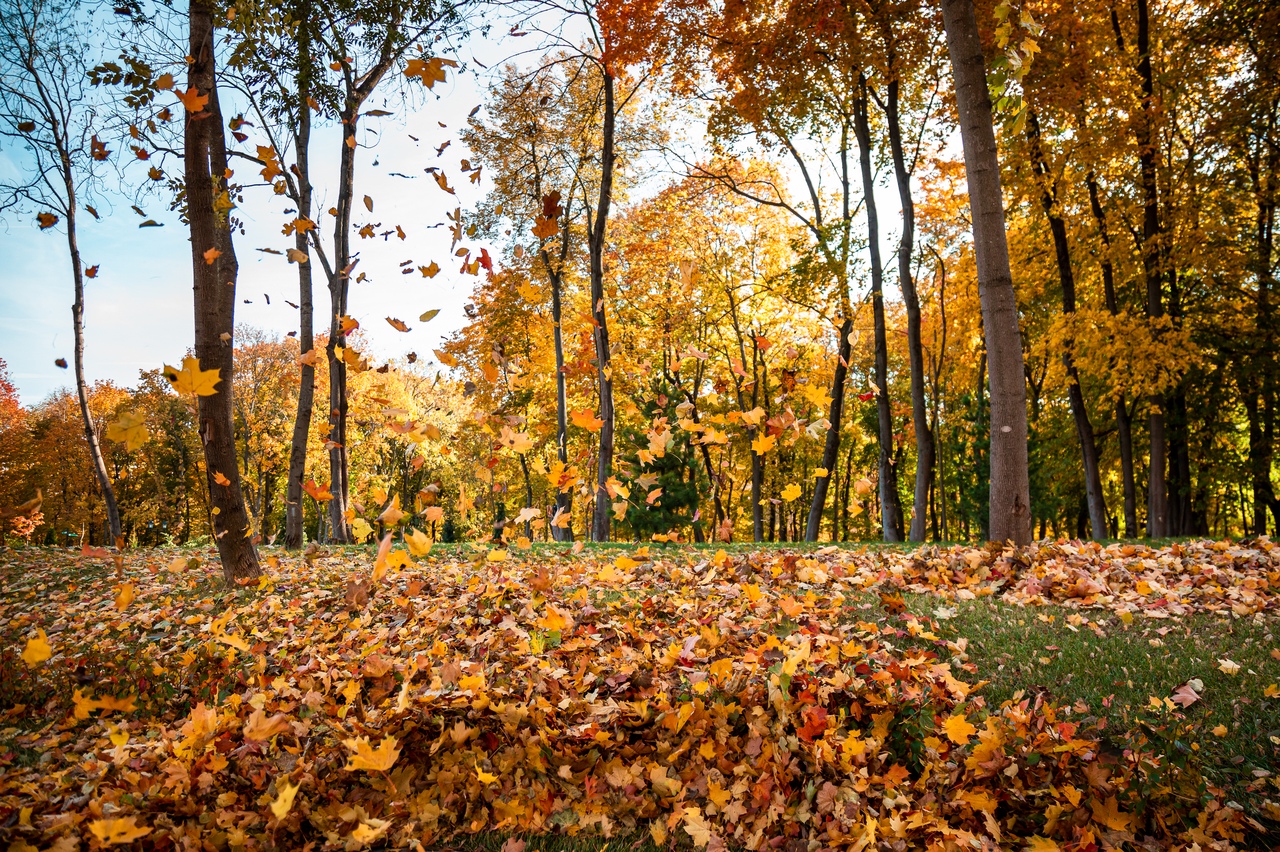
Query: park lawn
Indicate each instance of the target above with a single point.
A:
(1021, 636)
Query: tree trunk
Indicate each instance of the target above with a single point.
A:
(306, 341)
(1097, 508)
(1010, 498)
(564, 500)
(339, 287)
(890, 506)
(831, 447)
(82, 390)
(911, 300)
(1157, 490)
(204, 156)
(1124, 420)
(604, 466)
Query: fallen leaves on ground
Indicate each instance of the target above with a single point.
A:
(735, 701)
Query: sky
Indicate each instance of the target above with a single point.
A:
(139, 309)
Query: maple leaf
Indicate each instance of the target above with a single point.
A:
(114, 832)
(369, 830)
(191, 99)
(1229, 667)
(398, 325)
(517, 442)
(283, 802)
(419, 543)
(791, 492)
(1109, 814)
(365, 756)
(392, 514)
(129, 429)
(37, 650)
(430, 70)
(430, 270)
(544, 228)
(360, 528)
(317, 492)
(46, 220)
(270, 163)
(125, 595)
(191, 379)
(958, 729)
(221, 478)
(586, 419)
(763, 444)
(261, 727)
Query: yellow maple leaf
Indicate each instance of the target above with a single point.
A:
(392, 514)
(419, 542)
(485, 777)
(370, 830)
(791, 492)
(763, 444)
(192, 379)
(429, 70)
(371, 759)
(445, 358)
(129, 429)
(958, 729)
(360, 529)
(1109, 814)
(37, 650)
(124, 595)
(820, 473)
(113, 832)
(1036, 843)
(517, 442)
(285, 793)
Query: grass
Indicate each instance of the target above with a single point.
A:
(1123, 672)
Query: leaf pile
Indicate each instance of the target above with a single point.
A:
(1195, 576)
(745, 702)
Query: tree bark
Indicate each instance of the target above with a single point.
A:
(1097, 507)
(890, 505)
(831, 446)
(82, 390)
(1157, 489)
(293, 533)
(604, 465)
(1010, 499)
(204, 157)
(911, 300)
(1124, 420)
(339, 287)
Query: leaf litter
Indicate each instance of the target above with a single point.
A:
(732, 701)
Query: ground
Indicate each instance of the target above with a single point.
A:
(1064, 696)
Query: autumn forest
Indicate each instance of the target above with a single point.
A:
(752, 290)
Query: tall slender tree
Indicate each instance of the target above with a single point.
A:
(1010, 492)
(46, 107)
(214, 268)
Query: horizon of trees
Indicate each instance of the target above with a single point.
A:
(729, 354)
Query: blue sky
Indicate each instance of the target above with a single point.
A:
(139, 309)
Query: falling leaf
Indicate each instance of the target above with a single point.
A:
(791, 492)
(430, 270)
(221, 478)
(283, 802)
(129, 429)
(398, 325)
(191, 99)
(586, 419)
(430, 70)
(125, 595)
(763, 444)
(368, 203)
(297, 256)
(320, 493)
(419, 543)
(429, 315)
(60, 362)
(46, 220)
(259, 726)
(37, 650)
(191, 379)
(91, 271)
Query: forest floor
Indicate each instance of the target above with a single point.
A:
(1065, 696)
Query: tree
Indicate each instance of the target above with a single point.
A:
(45, 105)
(1010, 490)
(214, 268)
